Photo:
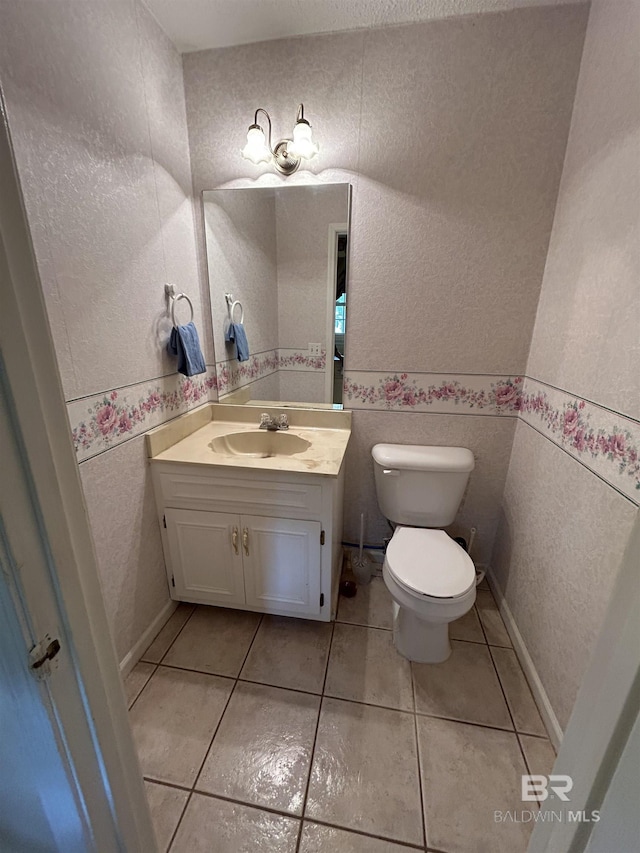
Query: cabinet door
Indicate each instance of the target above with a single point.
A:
(205, 564)
(282, 564)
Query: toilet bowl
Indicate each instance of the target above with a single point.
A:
(431, 579)
(432, 582)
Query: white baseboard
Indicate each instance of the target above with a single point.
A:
(131, 658)
(535, 683)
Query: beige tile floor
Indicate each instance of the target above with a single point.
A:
(271, 734)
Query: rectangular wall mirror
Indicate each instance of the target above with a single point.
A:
(277, 259)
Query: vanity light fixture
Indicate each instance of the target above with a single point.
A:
(287, 153)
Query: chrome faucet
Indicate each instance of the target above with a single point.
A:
(267, 422)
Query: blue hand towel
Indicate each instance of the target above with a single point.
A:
(184, 343)
(235, 332)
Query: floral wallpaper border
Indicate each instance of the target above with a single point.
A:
(103, 421)
(606, 442)
(296, 359)
(433, 392)
(232, 375)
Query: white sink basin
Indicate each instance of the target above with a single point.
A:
(259, 444)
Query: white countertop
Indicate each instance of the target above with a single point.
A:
(189, 439)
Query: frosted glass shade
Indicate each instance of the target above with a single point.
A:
(303, 145)
(256, 148)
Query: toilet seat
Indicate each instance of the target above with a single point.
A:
(429, 563)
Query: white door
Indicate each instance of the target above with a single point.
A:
(42, 806)
(69, 776)
(36, 783)
(205, 556)
(282, 564)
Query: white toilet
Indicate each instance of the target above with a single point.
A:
(431, 579)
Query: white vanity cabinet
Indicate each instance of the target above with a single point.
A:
(268, 541)
(205, 560)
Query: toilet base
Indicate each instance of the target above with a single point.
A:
(417, 640)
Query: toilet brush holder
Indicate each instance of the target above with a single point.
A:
(360, 564)
(362, 570)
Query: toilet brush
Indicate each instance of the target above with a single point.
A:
(360, 564)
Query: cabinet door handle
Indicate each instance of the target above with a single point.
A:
(245, 540)
(234, 540)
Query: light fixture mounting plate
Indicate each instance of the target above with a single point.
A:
(283, 160)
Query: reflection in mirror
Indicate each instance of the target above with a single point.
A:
(277, 259)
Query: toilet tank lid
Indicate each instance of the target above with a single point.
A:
(418, 457)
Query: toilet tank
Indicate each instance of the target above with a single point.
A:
(418, 485)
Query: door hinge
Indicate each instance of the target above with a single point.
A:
(173, 581)
(42, 654)
(322, 537)
(322, 599)
(164, 521)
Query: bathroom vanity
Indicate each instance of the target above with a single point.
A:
(252, 519)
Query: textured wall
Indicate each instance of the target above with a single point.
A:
(564, 524)
(123, 518)
(96, 110)
(452, 134)
(242, 259)
(561, 538)
(587, 335)
(303, 218)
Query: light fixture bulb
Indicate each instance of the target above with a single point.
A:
(303, 144)
(256, 148)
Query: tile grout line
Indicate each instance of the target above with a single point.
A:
(315, 739)
(537, 737)
(362, 625)
(171, 644)
(164, 654)
(527, 765)
(497, 646)
(513, 722)
(156, 664)
(224, 710)
(260, 808)
(290, 816)
(504, 695)
(159, 663)
(415, 729)
(190, 794)
(165, 784)
(233, 689)
(355, 701)
(182, 814)
(140, 692)
(510, 648)
(482, 642)
(407, 844)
